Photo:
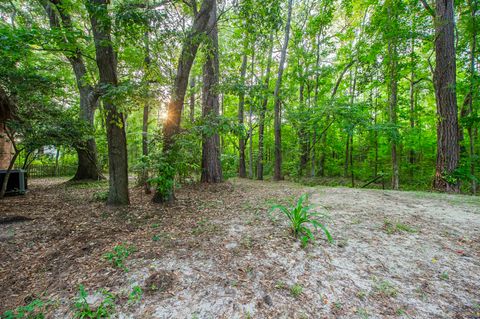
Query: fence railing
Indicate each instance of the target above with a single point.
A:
(50, 170)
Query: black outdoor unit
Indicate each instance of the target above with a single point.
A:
(17, 182)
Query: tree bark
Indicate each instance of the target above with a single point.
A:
(171, 126)
(242, 170)
(87, 167)
(107, 68)
(187, 56)
(392, 102)
(211, 165)
(250, 120)
(146, 111)
(448, 150)
(263, 110)
(192, 99)
(276, 95)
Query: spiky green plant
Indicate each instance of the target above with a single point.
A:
(300, 217)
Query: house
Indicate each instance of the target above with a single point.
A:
(6, 110)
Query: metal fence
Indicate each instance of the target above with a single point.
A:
(50, 170)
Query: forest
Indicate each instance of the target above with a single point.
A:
(226, 159)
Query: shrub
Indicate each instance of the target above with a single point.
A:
(118, 256)
(300, 217)
(84, 310)
(34, 310)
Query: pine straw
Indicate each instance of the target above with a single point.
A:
(217, 253)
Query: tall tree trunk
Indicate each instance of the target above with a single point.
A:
(211, 165)
(192, 99)
(392, 102)
(375, 136)
(171, 126)
(87, 167)
(189, 50)
(411, 153)
(263, 110)
(448, 150)
(352, 175)
(302, 134)
(250, 119)
(276, 95)
(347, 156)
(468, 104)
(242, 170)
(146, 110)
(315, 106)
(107, 69)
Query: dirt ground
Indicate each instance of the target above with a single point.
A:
(219, 253)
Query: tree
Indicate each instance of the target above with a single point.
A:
(263, 110)
(211, 165)
(61, 22)
(171, 126)
(444, 78)
(115, 122)
(276, 96)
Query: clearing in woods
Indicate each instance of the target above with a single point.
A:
(219, 253)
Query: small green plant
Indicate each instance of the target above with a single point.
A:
(300, 217)
(385, 288)
(296, 290)
(136, 295)
(84, 310)
(34, 310)
(280, 284)
(392, 228)
(118, 256)
(361, 294)
(444, 276)
(100, 196)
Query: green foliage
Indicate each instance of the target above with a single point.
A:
(384, 287)
(118, 255)
(83, 309)
(300, 217)
(391, 227)
(136, 295)
(100, 196)
(296, 290)
(34, 310)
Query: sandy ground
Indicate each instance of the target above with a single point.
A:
(219, 253)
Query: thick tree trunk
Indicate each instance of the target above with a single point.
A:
(263, 110)
(277, 175)
(242, 170)
(211, 165)
(448, 151)
(87, 168)
(116, 137)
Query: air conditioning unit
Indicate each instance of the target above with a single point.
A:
(17, 182)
